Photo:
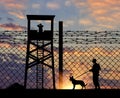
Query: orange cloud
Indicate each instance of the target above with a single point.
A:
(103, 12)
(78, 3)
(99, 12)
(104, 19)
(11, 4)
(11, 26)
(15, 6)
(85, 21)
(53, 5)
(17, 14)
(7, 1)
(103, 8)
(95, 4)
(36, 6)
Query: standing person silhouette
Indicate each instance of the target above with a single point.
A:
(95, 70)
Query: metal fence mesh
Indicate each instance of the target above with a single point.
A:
(78, 52)
(78, 61)
(12, 64)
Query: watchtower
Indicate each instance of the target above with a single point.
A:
(40, 50)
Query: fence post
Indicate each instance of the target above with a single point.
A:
(60, 54)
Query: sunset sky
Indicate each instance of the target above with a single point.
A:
(75, 14)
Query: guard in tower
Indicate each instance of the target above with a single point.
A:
(40, 26)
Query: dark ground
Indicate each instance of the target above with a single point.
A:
(19, 91)
(59, 93)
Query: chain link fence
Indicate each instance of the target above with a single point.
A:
(79, 48)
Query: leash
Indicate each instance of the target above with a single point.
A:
(82, 74)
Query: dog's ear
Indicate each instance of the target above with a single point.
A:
(70, 74)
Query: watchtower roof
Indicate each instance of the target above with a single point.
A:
(40, 17)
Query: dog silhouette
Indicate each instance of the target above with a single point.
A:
(77, 82)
